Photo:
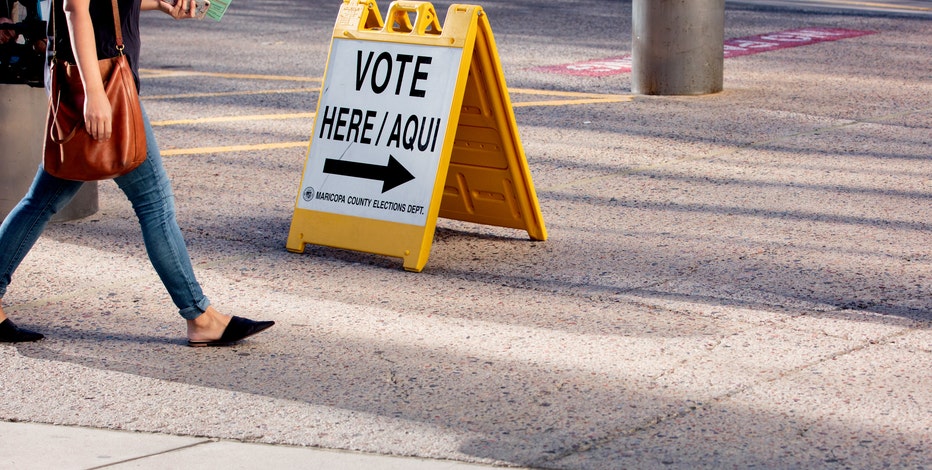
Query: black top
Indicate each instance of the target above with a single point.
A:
(102, 18)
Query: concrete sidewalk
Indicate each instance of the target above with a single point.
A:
(28, 446)
(735, 280)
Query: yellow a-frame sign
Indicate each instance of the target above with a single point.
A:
(414, 122)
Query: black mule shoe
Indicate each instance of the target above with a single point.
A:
(10, 333)
(238, 329)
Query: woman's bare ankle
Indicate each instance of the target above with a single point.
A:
(208, 326)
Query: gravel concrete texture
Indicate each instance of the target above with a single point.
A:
(733, 280)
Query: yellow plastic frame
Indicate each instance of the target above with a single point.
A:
(480, 76)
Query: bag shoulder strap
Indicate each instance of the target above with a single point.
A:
(117, 27)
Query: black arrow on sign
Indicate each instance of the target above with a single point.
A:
(392, 175)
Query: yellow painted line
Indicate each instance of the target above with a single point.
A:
(576, 94)
(583, 98)
(574, 97)
(158, 73)
(569, 98)
(273, 117)
(890, 6)
(290, 145)
(254, 117)
(611, 99)
(230, 93)
(233, 148)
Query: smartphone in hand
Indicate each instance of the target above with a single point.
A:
(200, 9)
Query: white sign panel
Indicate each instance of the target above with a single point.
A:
(379, 130)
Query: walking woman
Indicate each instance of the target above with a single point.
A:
(89, 36)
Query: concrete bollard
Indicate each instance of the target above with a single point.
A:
(677, 47)
(22, 123)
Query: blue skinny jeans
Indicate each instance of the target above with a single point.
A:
(149, 190)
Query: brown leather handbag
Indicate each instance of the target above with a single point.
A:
(70, 152)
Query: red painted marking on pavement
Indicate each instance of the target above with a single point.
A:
(592, 68)
(785, 39)
(733, 48)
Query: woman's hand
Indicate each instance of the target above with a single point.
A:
(182, 9)
(6, 35)
(98, 116)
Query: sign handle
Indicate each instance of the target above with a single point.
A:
(425, 19)
(359, 15)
